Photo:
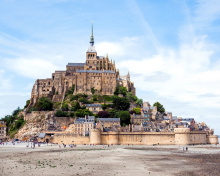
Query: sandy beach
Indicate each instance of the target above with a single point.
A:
(100, 160)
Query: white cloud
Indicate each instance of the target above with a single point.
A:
(32, 68)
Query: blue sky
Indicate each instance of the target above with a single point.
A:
(171, 48)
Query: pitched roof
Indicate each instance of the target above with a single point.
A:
(93, 105)
(110, 119)
(94, 71)
(75, 64)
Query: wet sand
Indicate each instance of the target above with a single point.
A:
(114, 160)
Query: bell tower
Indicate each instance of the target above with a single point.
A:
(91, 54)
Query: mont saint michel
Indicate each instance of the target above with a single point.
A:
(134, 93)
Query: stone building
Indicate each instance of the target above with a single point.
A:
(83, 126)
(95, 108)
(2, 129)
(108, 122)
(97, 72)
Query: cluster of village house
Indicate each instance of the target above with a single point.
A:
(2, 129)
(150, 120)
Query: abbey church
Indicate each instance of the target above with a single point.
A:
(98, 73)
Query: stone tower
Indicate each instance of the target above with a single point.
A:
(91, 54)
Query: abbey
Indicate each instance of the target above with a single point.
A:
(98, 73)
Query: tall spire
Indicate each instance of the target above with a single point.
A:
(92, 38)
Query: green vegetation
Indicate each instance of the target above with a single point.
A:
(103, 114)
(137, 110)
(159, 106)
(65, 107)
(124, 117)
(27, 103)
(120, 90)
(131, 97)
(139, 102)
(70, 91)
(83, 112)
(84, 100)
(111, 112)
(121, 104)
(44, 104)
(93, 90)
(56, 105)
(61, 113)
(14, 122)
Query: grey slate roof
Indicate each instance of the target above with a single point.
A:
(83, 120)
(91, 49)
(93, 105)
(76, 64)
(110, 119)
(100, 57)
(41, 135)
(94, 71)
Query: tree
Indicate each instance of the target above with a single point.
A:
(16, 111)
(83, 112)
(27, 103)
(159, 106)
(116, 92)
(111, 113)
(122, 90)
(44, 104)
(137, 110)
(103, 114)
(60, 113)
(65, 107)
(94, 97)
(104, 106)
(124, 117)
(93, 90)
(121, 104)
(131, 97)
(76, 106)
(84, 100)
(139, 102)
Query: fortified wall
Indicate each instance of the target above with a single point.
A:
(181, 136)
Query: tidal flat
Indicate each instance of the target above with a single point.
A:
(50, 160)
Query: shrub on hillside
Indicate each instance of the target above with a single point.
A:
(124, 117)
(44, 104)
(65, 107)
(103, 114)
(84, 100)
(121, 104)
(60, 113)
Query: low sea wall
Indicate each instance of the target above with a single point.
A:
(68, 138)
(178, 137)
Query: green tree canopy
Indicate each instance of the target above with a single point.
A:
(137, 110)
(159, 106)
(139, 102)
(44, 104)
(121, 104)
(27, 103)
(131, 97)
(65, 107)
(124, 117)
(83, 112)
(122, 90)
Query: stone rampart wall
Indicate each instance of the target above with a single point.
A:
(212, 139)
(137, 138)
(67, 138)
